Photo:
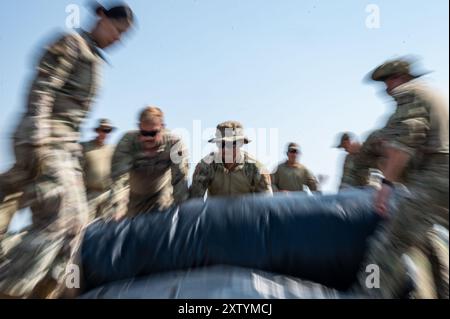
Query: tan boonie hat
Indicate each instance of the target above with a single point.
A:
(230, 131)
(393, 67)
(105, 124)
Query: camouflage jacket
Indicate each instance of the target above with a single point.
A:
(62, 92)
(419, 125)
(155, 183)
(287, 178)
(248, 176)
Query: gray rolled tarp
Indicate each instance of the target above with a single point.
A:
(216, 282)
(316, 238)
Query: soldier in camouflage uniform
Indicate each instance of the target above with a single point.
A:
(47, 169)
(291, 176)
(416, 152)
(352, 147)
(96, 165)
(153, 164)
(230, 171)
(361, 159)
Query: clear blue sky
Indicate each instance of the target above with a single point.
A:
(292, 65)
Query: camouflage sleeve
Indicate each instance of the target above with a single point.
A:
(53, 71)
(408, 128)
(261, 180)
(180, 170)
(201, 180)
(371, 153)
(121, 164)
(311, 181)
(84, 147)
(122, 159)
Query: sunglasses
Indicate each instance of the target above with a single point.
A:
(150, 133)
(293, 151)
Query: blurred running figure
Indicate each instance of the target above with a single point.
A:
(416, 145)
(47, 167)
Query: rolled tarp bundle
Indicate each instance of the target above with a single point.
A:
(316, 238)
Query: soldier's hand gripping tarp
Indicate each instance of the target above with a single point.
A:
(319, 238)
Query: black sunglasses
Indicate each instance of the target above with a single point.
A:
(293, 151)
(106, 130)
(150, 133)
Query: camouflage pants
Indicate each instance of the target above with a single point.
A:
(7, 210)
(34, 262)
(409, 228)
(14, 181)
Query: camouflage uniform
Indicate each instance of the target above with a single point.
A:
(97, 175)
(419, 127)
(247, 175)
(428, 266)
(155, 183)
(293, 178)
(211, 175)
(7, 210)
(48, 169)
(356, 171)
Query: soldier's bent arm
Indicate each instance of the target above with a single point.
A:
(262, 180)
(121, 164)
(311, 181)
(53, 71)
(180, 171)
(396, 163)
(274, 180)
(201, 180)
(122, 159)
